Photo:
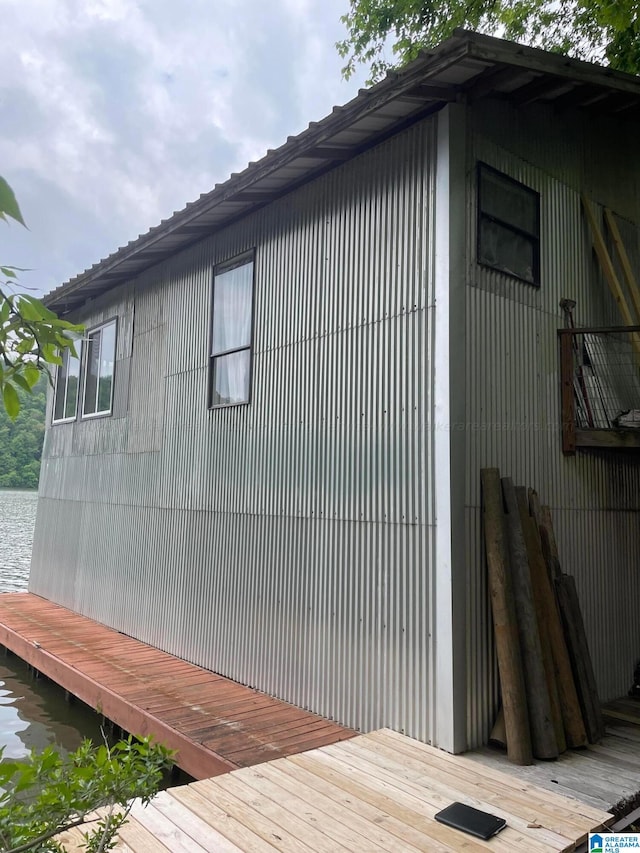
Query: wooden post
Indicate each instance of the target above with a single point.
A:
(576, 735)
(567, 402)
(538, 571)
(580, 658)
(505, 626)
(538, 702)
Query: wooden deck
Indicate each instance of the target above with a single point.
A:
(601, 775)
(214, 724)
(377, 792)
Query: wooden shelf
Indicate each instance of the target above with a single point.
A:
(622, 439)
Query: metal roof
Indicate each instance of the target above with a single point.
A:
(466, 67)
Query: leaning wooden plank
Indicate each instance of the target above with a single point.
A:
(574, 728)
(549, 544)
(505, 626)
(609, 271)
(538, 572)
(625, 263)
(542, 732)
(580, 658)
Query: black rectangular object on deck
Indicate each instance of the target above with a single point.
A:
(467, 819)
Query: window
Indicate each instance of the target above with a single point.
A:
(99, 363)
(231, 332)
(65, 403)
(508, 225)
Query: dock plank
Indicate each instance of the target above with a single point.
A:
(373, 793)
(215, 725)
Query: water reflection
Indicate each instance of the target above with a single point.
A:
(34, 713)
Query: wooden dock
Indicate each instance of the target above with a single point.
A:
(601, 775)
(376, 792)
(214, 724)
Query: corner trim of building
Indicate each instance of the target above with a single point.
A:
(448, 435)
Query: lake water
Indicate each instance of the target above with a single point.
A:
(33, 711)
(17, 520)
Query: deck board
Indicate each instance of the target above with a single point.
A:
(215, 724)
(373, 793)
(600, 775)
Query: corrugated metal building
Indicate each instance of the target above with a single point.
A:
(283, 499)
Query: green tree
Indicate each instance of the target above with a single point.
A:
(31, 336)
(603, 30)
(21, 439)
(46, 795)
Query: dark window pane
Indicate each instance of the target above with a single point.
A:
(230, 378)
(92, 374)
(232, 295)
(506, 250)
(73, 372)
(61, 387)
(510, 202)
(107, 359)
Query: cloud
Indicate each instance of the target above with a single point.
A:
(115, 113)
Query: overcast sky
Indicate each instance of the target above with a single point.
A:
(115, 113)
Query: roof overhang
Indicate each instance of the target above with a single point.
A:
(465, 68)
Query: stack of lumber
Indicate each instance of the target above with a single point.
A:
(549, 695)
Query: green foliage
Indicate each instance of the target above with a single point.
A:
(603, 30)
(31, 336)
(21, 440)
(46, 795)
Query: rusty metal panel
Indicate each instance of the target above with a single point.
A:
(513, 394)
(287, 543)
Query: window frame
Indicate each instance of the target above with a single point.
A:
(112, 321)
(248, 257)
(532, 238)
(66, 353)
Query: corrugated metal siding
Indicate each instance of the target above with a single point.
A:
(513, 389)
(286, 544)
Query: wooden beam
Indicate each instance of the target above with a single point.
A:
(581, 665)
(542, 732)
(487, 81)
(425, 91)
(548, 566)
(538, 571)
(536, 89)
(608, 269)
(505, 626)
(623, 257)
